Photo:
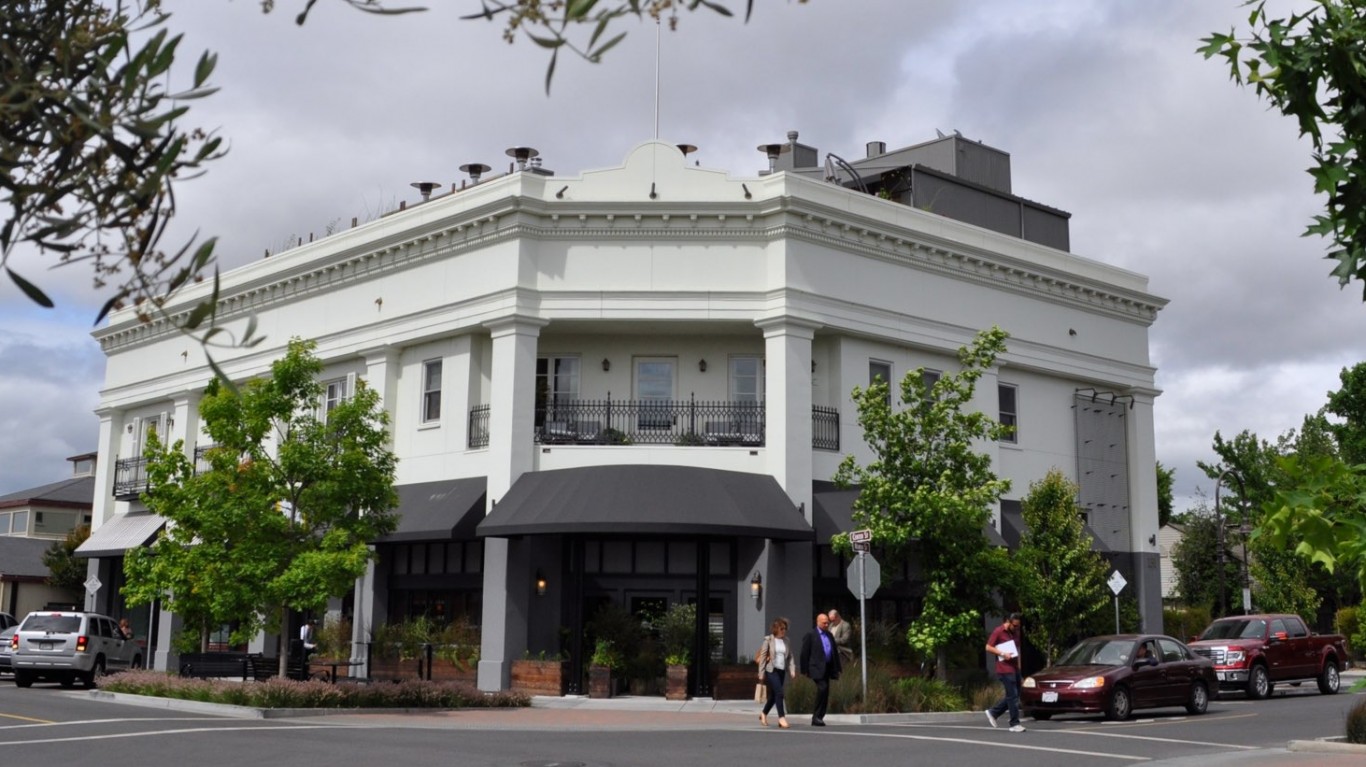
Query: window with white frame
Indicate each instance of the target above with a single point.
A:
(746, 379)
(431, 391)
(557, 387)
(1008, 401)
(883, 370)
(930, 377)
(335, 392)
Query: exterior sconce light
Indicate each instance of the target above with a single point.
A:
(130, 428)
(756, 586)
(606, 364)
(813, 366)
(1152, 539)
(702, 366)
(540, 584)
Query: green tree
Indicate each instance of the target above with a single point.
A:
(928, 485)
(1320, 512)
(1199, 576)
(282, 518)
(92, 143)
(68, 570)
(1165, 478)
(1349, 404)
(1061, 580)
(1312, 66)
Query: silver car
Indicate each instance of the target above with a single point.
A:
(68, 647)
(4, 649)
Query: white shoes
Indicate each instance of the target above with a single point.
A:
(1017, 728)
(990, 718)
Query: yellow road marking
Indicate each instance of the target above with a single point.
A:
(27, 718)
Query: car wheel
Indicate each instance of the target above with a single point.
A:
(1041, 716)
(1258, 683)
(1198, 702)
(1121, 705)
(1329, 680)
(22, 679)
(96, 672)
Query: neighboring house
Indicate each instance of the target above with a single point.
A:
(30, 520)
(633, 386)
(1168, 536)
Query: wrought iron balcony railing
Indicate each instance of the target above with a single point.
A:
(479, 426)
(130, 478)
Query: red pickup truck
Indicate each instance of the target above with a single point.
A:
(1254, 652)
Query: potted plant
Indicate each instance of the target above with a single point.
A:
(676, 629)
(606, 658)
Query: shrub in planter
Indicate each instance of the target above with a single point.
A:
(1356, 723)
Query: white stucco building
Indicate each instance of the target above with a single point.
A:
(633, 385)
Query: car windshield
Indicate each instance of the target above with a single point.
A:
(1098, 652)
(53, 624)
(1254, 628)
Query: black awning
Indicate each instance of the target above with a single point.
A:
(646, 499)
(439, 511)
(832, 509)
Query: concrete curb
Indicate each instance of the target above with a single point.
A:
(242, 712)
(1335, 745)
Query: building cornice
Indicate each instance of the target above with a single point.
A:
(371, 251)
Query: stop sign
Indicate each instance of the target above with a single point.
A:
(872, 576)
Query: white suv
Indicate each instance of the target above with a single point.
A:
(70, 646)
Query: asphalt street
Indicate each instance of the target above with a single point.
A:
(48, 725)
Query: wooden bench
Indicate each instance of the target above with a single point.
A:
(220, 665)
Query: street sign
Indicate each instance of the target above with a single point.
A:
(1117, 582)
(861, 536)
(865, 570)
(92, 585)
(862, 546)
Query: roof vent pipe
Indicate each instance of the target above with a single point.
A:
(877, 148)
(475, 169)
(425, 188)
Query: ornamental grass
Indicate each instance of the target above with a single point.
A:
(288, 693)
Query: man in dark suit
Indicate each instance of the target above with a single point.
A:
(820, 660)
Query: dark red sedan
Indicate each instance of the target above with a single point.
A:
(1114, 675)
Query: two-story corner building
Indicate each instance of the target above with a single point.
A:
(633, 386)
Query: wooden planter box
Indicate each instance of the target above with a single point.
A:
(394, 669)
(600, 682)
(676, 683)
(540, 677)
(734, 681)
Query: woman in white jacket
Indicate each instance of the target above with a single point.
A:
(775, 659)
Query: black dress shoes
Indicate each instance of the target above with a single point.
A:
(817, 722)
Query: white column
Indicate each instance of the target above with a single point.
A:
(111, 431)
(185, 415)
(381, 375)
(364, 617)
(458, 391)
(786, 567)
(512, 402)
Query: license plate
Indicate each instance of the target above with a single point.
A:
(44, 645)
(1050, 697)
(1219, 675)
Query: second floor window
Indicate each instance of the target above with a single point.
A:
(335, 392)
(746, 379)
(431, 391)
(557, 384)
(877, 369)
(1006, 395)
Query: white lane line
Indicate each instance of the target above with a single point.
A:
(968, 741)
(48, 723)
(158, 733)
(1097, 734)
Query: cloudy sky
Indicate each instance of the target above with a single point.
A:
(1105, 108)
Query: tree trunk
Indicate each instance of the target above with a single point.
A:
(941, 663)
(284, 642)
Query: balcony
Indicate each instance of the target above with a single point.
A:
(130, 478)
(656, 422)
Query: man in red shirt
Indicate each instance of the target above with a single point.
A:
(1004, 643)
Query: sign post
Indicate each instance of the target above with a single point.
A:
(1117, 584)
(863, 583)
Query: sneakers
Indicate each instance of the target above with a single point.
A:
(1017, 728)
(990, 718)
